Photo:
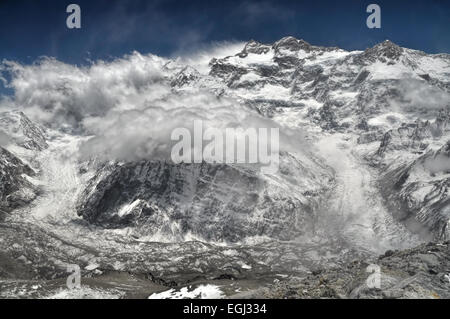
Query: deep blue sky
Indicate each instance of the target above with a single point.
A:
(110, 28)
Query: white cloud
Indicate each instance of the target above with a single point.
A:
(127, 106)
(419, 96)
(4, 139)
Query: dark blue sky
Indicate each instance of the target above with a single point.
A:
(110, 28)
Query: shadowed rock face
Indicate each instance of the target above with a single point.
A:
(184, 77)
(386, 51)
(414, 137)
(416, 176)
(291, 44)
(418, 193)
(18, 131)
(254, 47)
(15, 189)
(213, 202)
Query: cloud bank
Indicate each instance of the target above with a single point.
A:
(128, 106)
(419, 96)
(4, 139)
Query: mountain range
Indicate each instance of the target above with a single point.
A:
(364, 174)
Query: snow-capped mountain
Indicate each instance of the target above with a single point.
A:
(389, 96)
(364, 162)
(21, 131)
(21, 137)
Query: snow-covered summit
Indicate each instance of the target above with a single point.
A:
(19, 129)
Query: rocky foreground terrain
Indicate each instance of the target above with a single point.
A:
(420, 272)
(363, 180)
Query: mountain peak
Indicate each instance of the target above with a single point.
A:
(256, 47)
(386, 49)
(19, 128)
(292, 44)
(387, 44)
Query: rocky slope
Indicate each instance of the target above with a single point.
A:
(421, 272)
(22, 137)
(15, 189)
(210, 202)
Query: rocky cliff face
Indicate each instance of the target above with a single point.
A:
(211, 202)
(418, 192)
(19, 133)
(15, 189)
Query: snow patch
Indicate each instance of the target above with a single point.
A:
(201, 292)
